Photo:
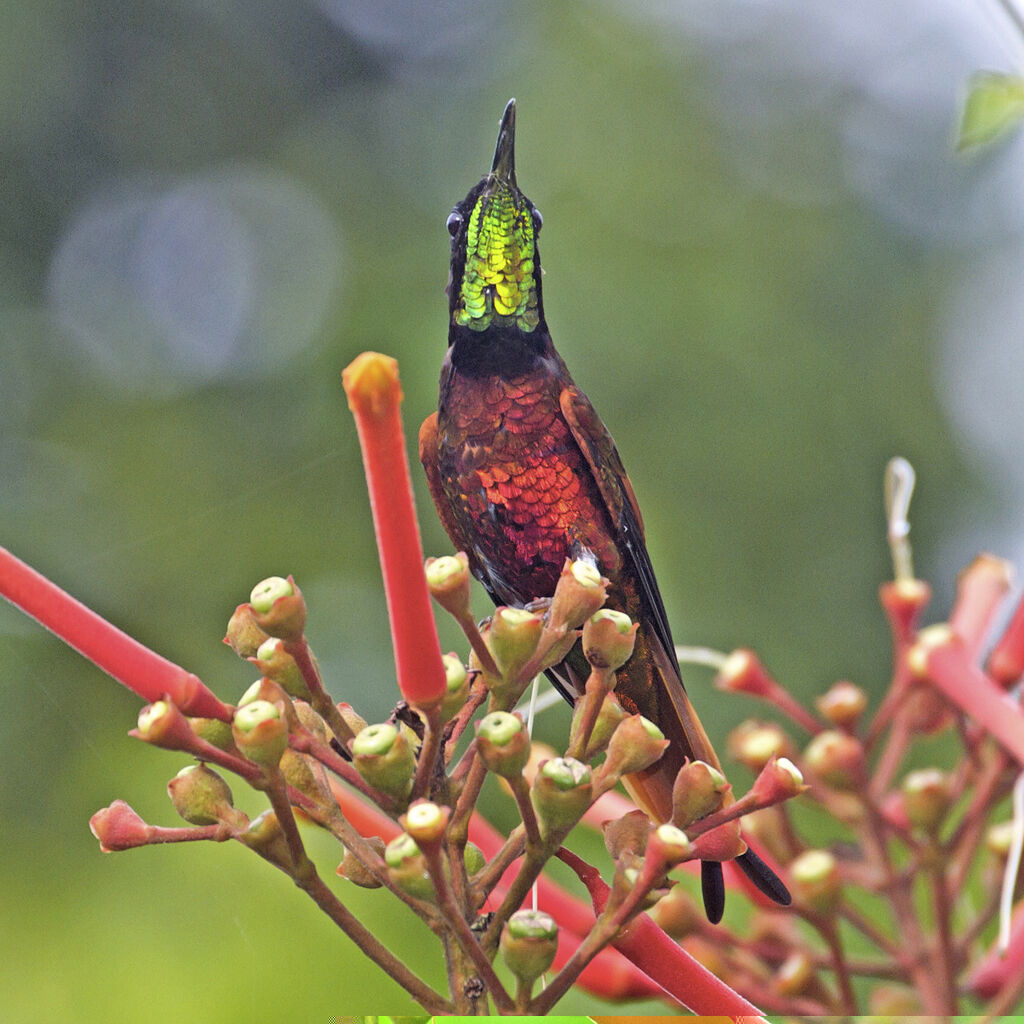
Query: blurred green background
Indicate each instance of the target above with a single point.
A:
(764, 264)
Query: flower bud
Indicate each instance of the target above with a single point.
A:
(699, 790)
(306, 774)
(528, 944)
(561, 792)
(352, 718)
(243, 635)
(504, 743)
(636, 744)
(999, 839)
(843, 704)
(926, 798)
(779, 780)
(260, 732)
(609, 717)
(627, 834)
(608, 639)
(201, 796)
(213, 731)
(904, 601)
(358, 873)
(276, 663)
(119, 827)
(796, 975)
(669, 844)
(677, 914)
(579, 593)
(474, 859)
(266, 837)
(385, 759)
(279, 608)
(266, 689)
(837, 758)
(457, 686)
(407, 867)
(743, 672)
(815, 881)
(753, 744)
(163, 725)
(426, 821)
(306, 718)
(513, 638)
(448, 582)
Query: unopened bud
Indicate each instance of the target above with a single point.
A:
(457, 686)
(425, 821)
(267, 838)
(579, 593)
(561, 792)
(815, 881)
(213, 731)
(119, 827)
(669, 844)
(276, 663)
(795, 975)
(385, 759)
(305, 774)
(608, 639)
(753, 744)
(528, 944)
(926, 798)
(779, 780)
(163, 725)
(677, 914)
(352, 718)
(244, 636)
(611, 714)
(356, 871)
(201, 796)
(636, 744)
(628, 834)
(407, 867)
(842, 704)
(449, 583)
(260, 732)
(513, 638)
(474, 859)
(279, 608)
(743, 672)
(504, 743)
(699, 790)
(999, 838)
(837, 758)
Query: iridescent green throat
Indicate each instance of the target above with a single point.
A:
(498, 283)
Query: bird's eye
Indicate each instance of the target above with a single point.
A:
(538, 221)
(453, 223)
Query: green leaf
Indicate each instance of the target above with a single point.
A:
(994, 106)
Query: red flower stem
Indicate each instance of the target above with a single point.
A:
(374, 396)
(320, 699)
(659, 957)
(132, 664)
(948, 668)
(306, 743)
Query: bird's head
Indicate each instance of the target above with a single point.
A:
(495, 265)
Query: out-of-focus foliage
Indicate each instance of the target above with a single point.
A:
(765, 264)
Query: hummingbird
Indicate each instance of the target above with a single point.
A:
(524, 474)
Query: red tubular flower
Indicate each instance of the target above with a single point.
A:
(1006, 662)
(132, 664)
(996, 968)
(980, 590)
(374, 396)
(904, 601)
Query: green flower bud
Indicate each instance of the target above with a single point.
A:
(698, 791)
(448, 581)
(426, 821)
(385, 759)
(815, 881)
(513, 638)
(503, 743)
(260, 732)
(561, 792)
(213, 731)
(279, 608)
(457, 686)
(243, 635)
(201, 796)
(669, 843)
(474, 859)
(163, 725)
(356, 872)
(352, 718)
(407, 868)
(276, 663)
(926, 798)
(635, 745)
(266, 837)
(528, 944)
(608, 639)
(306, 774)
(837, 758)
(579, 593)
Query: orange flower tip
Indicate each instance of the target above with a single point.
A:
(267, 591)
(371, 384)
(928, 640)
(426, 821)
(742, 672)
